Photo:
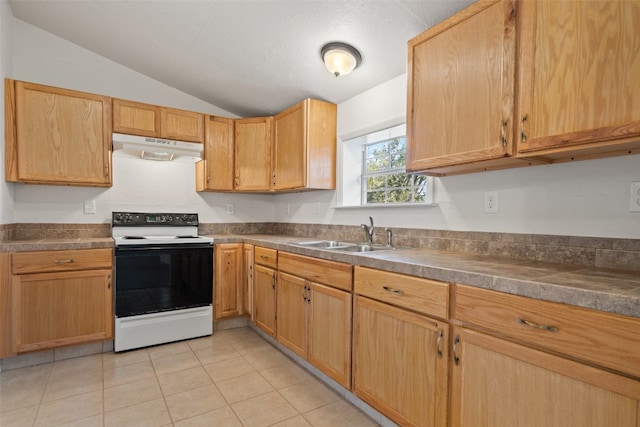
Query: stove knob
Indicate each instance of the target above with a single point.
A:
(117, 218)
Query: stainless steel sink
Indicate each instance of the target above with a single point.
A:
(364, 248)
(325, 244)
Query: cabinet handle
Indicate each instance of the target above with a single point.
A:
(456, 341)
(308, 294)
(273, 280)
(64, 261)
(208, 178)
(304, 293)
(523, 135)
(439, 341)
(393, 291)
(537, 325)
(503, 135)
(264, 257)
(109, 282)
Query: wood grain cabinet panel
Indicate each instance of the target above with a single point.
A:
(136, 118)
(181, 125)
(215, 172)
(253, 138)
(247, 279)
(264, 298)
(304, 153)
(60, 298)
(496, 383)
(228, 280)
(579, 92)
(460, 96)
(57, 136)
(400, 363)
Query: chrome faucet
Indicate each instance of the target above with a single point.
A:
(368, 230)
(389, 237)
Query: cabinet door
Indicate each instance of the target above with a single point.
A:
(253, 154)
(218, 159)
(228, 283)
(264, 298)
(136, 118)
(62, 136)
(293, 298)
(181, 125)
(56, 309)
(497, 383)
(400, 363)
(580, 62)
(290, 148)
(247, 280)
(329, 331)
(461, 84)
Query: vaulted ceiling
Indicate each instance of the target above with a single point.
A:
(249, 57)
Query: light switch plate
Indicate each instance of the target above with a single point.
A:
(490, 202)
(89, 206)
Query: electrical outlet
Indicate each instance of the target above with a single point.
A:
(288, 209)
(230, 209)
(89, 206)
(490, 202)
(634, 197)
(316, 208)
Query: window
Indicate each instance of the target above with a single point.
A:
(376, 162)
(383, 174)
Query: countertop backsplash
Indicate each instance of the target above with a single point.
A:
(601, 252)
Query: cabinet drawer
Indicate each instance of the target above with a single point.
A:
(609, 340)
(51, 261)
(422, 295)
(265, 256)
(332, 273)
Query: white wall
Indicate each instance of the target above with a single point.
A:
(138, 185)
(6, 69)
(587, 198)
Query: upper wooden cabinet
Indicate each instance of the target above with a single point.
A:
(136, 118)
(215, 171)
(304, 154)
(579, 87)
(56, 136)
(253, 154)
(461, 84)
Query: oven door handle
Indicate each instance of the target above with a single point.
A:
(131, 248)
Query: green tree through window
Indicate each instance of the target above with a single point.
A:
(383, 176)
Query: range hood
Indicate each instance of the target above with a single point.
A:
(144, 147)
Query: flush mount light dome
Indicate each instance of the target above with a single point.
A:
(340, 58)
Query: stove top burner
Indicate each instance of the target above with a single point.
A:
(133, 237)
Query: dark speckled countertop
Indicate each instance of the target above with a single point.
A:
(614, 291)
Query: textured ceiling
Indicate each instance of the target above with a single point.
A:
(251, 58)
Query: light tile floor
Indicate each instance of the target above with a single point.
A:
(233, 378)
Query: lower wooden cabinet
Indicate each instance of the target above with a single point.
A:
(228, 280)
(497, 383)
(400, 363)
(247, 279)
(314, 321)
(60, 298)
(264, 298)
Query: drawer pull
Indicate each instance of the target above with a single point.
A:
(537, 325)
(64, 261)
(264, 257)
(393, 291)
(438, 342)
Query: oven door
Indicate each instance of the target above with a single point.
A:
(158, 278)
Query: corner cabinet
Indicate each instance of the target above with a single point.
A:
(56, 136)
(304, 153)
(61, 298)
(400, 354)
(460, 94)
(137, 118)
(579, 86)
(253, 154)
(525, 362)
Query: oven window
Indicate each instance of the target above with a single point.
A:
(151, 280)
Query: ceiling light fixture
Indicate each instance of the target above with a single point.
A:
(340, 58)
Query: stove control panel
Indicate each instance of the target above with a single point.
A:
(155, 219)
